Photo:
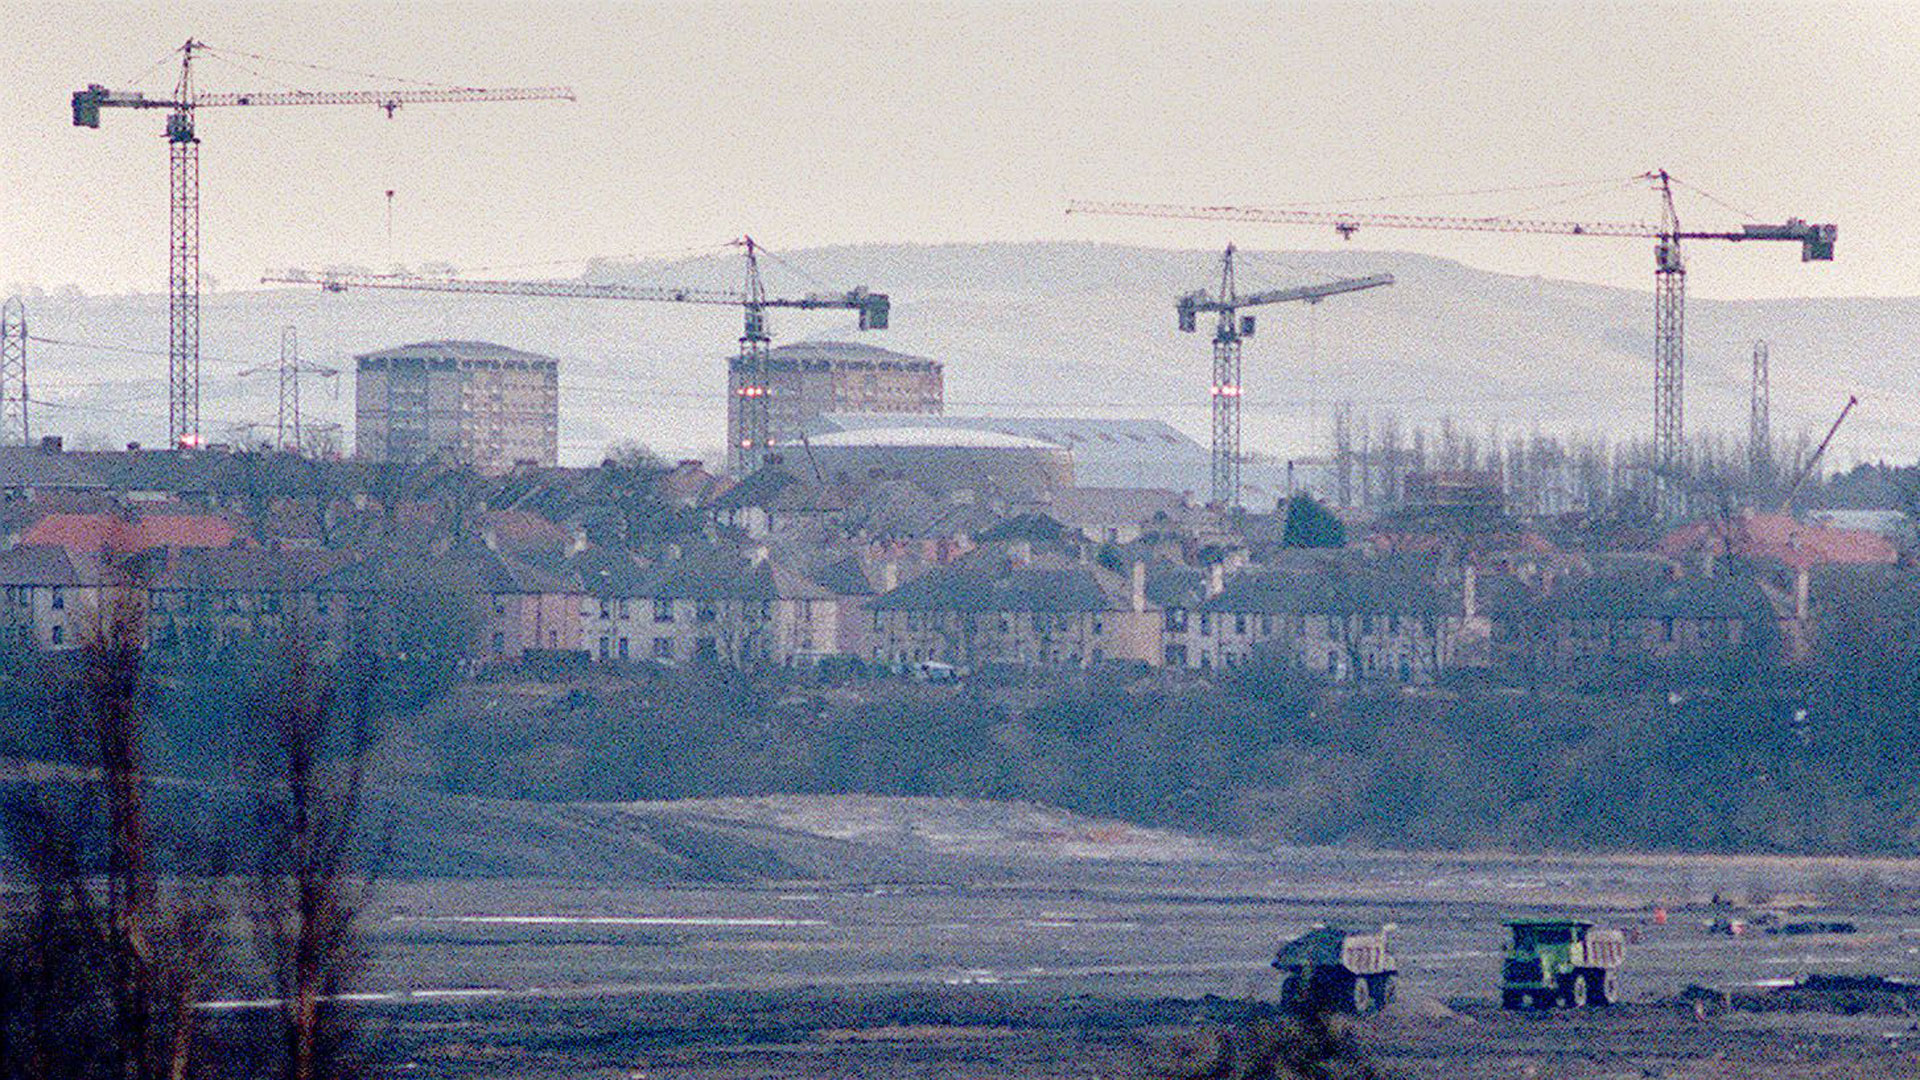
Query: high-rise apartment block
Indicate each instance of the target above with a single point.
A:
(811, 379)
(471, 402)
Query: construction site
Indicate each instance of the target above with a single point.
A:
(466, 644)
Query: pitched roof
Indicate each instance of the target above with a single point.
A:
(900, 510)
(701, 574)
(1332, 591)
(1084, 506)
(989, 582)
(1780, 536)
(1693, 597)
(32, 467)
(1032, 527)
(47, 565)
(848, 576)
(251, 570)
(112, 532)
(768, 487)
(464, 569)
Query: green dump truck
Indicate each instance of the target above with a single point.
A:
(1561, 962)
(1333, 970)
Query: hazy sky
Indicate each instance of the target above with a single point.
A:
(823, 123)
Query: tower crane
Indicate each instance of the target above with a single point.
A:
(1227, 335)
(750, 381)
(1669, 273)
(183, 275)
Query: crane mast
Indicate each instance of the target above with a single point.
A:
(1226, 392)
(183, 150)
(1669, 354)
(1669, 314)
(750, 381)
(1229, 330)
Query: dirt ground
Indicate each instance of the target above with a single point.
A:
(1111, 968)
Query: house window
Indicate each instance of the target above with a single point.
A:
(705, 613)
(1176, 619)
(662, 609)
(606, 608)
(1098, 626)
(59, 635)
(663, 648)
(1240, 624)
(1666, 629)
(59, 598)
(499, 605)
(1266, 626)
(705, 649)
(606, 647)
(623, 607)
(1206, 622)
(553, 639)
(623, 648)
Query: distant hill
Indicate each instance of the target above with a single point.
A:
(1050, 329)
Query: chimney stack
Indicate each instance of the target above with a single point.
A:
(1139, 587)
(1216, 579)
(1470, 592)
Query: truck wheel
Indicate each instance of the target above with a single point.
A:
(1573, 991)
(1360, 996)
(1603, 986)
(1512, 999)
(1290, 993)
(1382, 988)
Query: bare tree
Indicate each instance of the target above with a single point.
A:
(312, 883)
(111, 961)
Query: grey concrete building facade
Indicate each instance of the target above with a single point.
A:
(810, 379)
(484, 405)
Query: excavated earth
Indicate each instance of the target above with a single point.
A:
(853, 937)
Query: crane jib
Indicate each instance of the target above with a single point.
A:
(874, 309)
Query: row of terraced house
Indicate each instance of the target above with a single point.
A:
(889, 575)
